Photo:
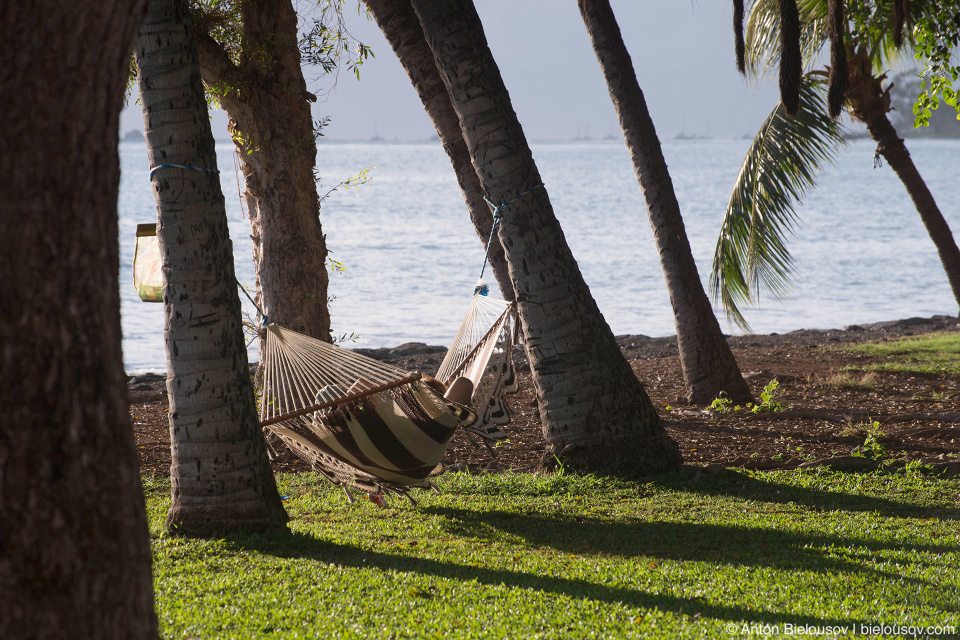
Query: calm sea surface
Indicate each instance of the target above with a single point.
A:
(412, 257)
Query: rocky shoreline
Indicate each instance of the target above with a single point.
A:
(418, 356)
(835, 401)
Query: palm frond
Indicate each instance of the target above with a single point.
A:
(763, 34)
(781, 165)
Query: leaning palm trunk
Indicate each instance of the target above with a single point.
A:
(400, 26)
(74, 541)
(596, 415)
(869, 103)
(220, 475)
(266, 99)
(708, 365)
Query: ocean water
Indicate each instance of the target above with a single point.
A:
(412, 258)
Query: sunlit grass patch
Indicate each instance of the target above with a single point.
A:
(937, 353)
(559, 556)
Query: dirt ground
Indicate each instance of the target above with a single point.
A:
(830, 402)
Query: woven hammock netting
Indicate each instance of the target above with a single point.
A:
(375, 427)
(482, 351)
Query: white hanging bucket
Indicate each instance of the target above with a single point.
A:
(147, 264)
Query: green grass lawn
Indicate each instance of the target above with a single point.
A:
(560, 556)
(937, 353)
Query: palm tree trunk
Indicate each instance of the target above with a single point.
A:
(267, 102)
(869, 103)
(709, 367)
(400, 26)
(596, 415)
(897, 156)
(220, 474)
(74, 543)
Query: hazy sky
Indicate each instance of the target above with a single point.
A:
(682, 51)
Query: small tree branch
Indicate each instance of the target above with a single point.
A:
(216, 67)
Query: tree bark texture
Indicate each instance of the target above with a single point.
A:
(220, 474)
(596, 415)
(869, 103)
(400, 26)
(708, 364)
(266, 100)
(74, 543)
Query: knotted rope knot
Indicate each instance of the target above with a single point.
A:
(498, 209)
(180, 166)
(482, 287)
(881, 147)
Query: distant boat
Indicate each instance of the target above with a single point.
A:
(683, 135)
(133, 135)
(686, 136)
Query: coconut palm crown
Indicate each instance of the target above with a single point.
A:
(788, 153)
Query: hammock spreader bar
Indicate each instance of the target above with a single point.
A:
(345, 399)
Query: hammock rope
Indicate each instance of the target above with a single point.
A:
(482, 287)
(264, 319)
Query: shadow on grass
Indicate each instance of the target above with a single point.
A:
(718, 544)
(761, 489)
(304, 546)
(683, 541)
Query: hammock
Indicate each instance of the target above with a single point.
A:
(365, 424)
(484, 356)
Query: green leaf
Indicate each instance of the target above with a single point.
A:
(780, 166)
